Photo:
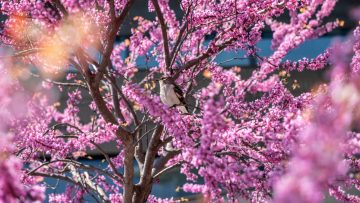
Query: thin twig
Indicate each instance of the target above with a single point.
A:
(165, 170)
(112, 165)
(146, 133)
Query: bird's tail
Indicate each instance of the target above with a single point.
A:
(183, 109)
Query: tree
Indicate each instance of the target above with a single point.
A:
(247, 138)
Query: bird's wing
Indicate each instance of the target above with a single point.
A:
(179, 93)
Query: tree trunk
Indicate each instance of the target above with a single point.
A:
(141, 194)
(128, 174)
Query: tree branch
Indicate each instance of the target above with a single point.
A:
(150, 155)
(115, 99)
(202, 57)
(131, 109)
(61, 7)
(161, 162)
(128, 173)
(22, 53)
(78, 164)
(53, 127)
(163, 32)
(68, 84)
(146, 133)
(115, 27)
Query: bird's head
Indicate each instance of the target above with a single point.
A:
(165, 80)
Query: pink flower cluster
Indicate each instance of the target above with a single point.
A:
(12, 186)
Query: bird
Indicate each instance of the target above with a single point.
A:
(171, 95)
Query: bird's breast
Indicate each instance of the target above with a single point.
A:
(168, 96)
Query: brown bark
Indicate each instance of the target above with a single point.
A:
(128, 174)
